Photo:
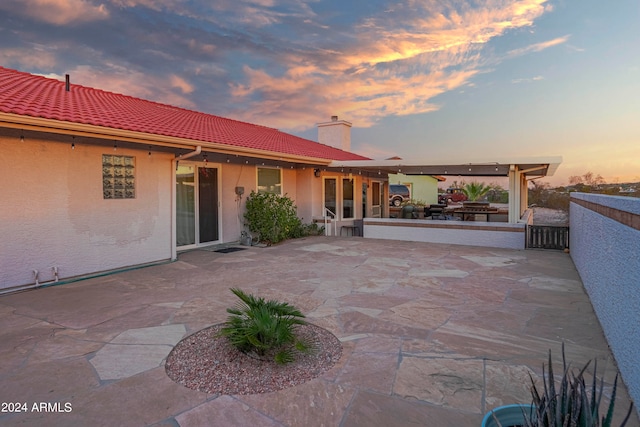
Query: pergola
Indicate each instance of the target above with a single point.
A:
(519, 171)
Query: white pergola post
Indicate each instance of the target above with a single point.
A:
(514, 194)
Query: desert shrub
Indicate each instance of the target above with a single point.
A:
(272, 216)
(304, 230)
(540, 194)
(265, 328)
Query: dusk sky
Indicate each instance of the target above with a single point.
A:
(418, 79)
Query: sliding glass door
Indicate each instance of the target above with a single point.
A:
(197, 205)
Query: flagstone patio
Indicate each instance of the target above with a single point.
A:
(433, 335)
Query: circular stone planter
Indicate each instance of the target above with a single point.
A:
(207, 362)
(508, 416)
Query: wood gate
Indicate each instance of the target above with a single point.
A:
(547, 237)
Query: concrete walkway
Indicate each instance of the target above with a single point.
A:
(433, 335)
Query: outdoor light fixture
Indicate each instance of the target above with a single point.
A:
(115, 146)
(21, 137)
(316, 173)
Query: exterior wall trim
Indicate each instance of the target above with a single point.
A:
(38, 124)
(629, 219)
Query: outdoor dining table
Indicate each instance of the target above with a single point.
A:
(467, 214)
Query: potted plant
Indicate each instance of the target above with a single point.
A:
(573, 403)
(508, 416)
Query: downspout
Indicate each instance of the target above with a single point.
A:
(197, 151)
(174, 214)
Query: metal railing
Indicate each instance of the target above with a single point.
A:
(335, 224)
(547, 237)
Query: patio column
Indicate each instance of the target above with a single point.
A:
(514, 194)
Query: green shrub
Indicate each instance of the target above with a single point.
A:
(265, 328)
(272, 216)
(312, 229)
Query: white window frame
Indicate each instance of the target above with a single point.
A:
(342, 199)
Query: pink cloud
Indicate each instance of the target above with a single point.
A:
(57, 12)
(401, 60)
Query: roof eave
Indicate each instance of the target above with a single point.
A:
(534, 166)
(18, 121)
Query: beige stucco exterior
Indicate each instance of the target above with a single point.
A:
(54, 214)
(55, 220)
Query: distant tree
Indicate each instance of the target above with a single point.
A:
(541, 194)
(497, 194)
(588, 178)
(537, 192)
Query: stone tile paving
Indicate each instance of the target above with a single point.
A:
(433, 335)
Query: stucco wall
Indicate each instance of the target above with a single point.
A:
(605, 247)
(424, 188)
(233, 207)
(53, 212)
(508, 236)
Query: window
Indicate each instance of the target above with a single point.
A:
(118, 177)
(376, 197)
(348, 206)
(269, 180)
(330, 196)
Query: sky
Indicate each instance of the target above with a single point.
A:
(417, 79)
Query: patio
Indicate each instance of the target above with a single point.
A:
(433, 335)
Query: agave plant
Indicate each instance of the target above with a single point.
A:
(265, 328)
(573, 404)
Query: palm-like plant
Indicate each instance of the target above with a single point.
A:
(475, 190)
(265, 328)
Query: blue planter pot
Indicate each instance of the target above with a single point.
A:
(508, 415)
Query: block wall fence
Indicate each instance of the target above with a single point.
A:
(605, 248)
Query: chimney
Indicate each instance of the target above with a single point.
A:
(67, 82)
(336, 133)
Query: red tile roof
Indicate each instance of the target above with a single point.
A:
(36, 96)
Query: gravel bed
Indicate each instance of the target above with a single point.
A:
(206, 362)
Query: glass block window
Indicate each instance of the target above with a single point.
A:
(118, 177)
